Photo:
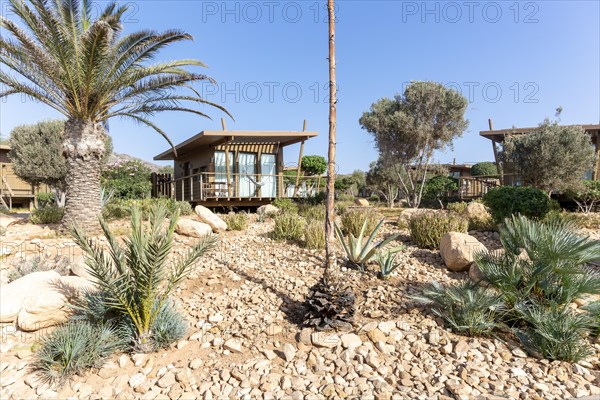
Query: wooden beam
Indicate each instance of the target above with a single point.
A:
(228, 172)
(221, 142)
(223, 124)
(304, 126)
(495, 148)
(299, 168)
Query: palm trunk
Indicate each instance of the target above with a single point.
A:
(83, 148)
(329, 210)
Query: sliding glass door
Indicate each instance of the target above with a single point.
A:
(247, 174)
(268, 173)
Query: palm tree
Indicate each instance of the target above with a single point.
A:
(88, 71)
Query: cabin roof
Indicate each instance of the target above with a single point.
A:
(500, 134)
(4, 147)
(213, 139)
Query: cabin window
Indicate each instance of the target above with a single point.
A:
(220, 168)
(268, 170)
(246, 167)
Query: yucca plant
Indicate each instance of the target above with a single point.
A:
(387, 262)
(137, 277)
(465, 307)
(555, 332)
(359, 253)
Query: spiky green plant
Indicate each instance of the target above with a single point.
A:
(83, 66)
(74, 347)
(428, 228)
(593, 309)
(288, 226)
(555, 332)
(465, 307)
(237, 221)
(359, 253)
(540, 261)
(136, 277)
(387, 263)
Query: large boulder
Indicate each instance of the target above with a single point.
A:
(80, 269)
(267, 210)
(13, 295)
(457, 250)
(189, 227)
(210, 218)
(361, 202)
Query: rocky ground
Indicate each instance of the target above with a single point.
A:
(244, 340)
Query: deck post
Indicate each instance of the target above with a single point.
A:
(228, 172)
(201, 188)
(299, 166)
(495, 148)
(191, 188)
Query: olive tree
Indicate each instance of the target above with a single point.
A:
(486, 168)
(381, 179)
(551, 158)
(410, 127)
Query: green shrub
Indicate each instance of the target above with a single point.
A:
(288, 226)
(459, 207)
(465, 307)
(120, 208)
(555, 332)
(137, 279)
(345, 197)
(505, 201)
(438, 188)
(37, 264)
(51, 214)
(428, 228)
(45, 199)
(312, 213)
(341, 207)
(74, 347)
(593, 309)
(374, 198)
(236, 222)
(486, 168)
(285, 205)
(352, 221)
(315, 234)
(128, 180)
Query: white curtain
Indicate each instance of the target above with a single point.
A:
(268, 178)
(247, 171)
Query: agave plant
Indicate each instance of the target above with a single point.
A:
(137, 278)
(358, 253)
(541, 261)
(465, 307)
(387, 263)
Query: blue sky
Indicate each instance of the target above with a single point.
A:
(515, 62)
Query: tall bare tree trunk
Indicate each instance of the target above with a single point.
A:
(329, 210)
(83, 148)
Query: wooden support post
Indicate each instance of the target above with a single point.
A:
(299, 168)
(495, 148)
(596, 171)
(223, 124)
(258, 176)
(228, 172)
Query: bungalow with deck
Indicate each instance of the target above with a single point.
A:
(231, 168)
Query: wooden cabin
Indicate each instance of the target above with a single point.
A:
(497, 137)
(13, 191)
(231, 168)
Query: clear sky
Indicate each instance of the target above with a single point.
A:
(515, 62)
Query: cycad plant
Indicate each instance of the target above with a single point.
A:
(359, 253)
(136, 278)
(387, 263)
(88, 71)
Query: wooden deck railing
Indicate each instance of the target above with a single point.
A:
(475, 187)
(215, 186)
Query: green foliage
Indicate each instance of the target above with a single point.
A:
(465, 307)
(551, 158)
(127, 180)
(288, 226)
(236, 221)
(358, 253)
(345, 197)
(353, 220)
(36, 153)
(315, 234)
(313, 165)
(285, 205)
(459, 207)
(439, 188)
(505, 201)
(136, 278)
(312, 213)
(51, 214)
(586, 195)
(428, 228)
(119, 208)
(387, 263)
(486, 168)
(593, 309)
(74, 347)
(24, 267)
(555, 332)
(409, 128)
(382, 179)
(45, 199)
